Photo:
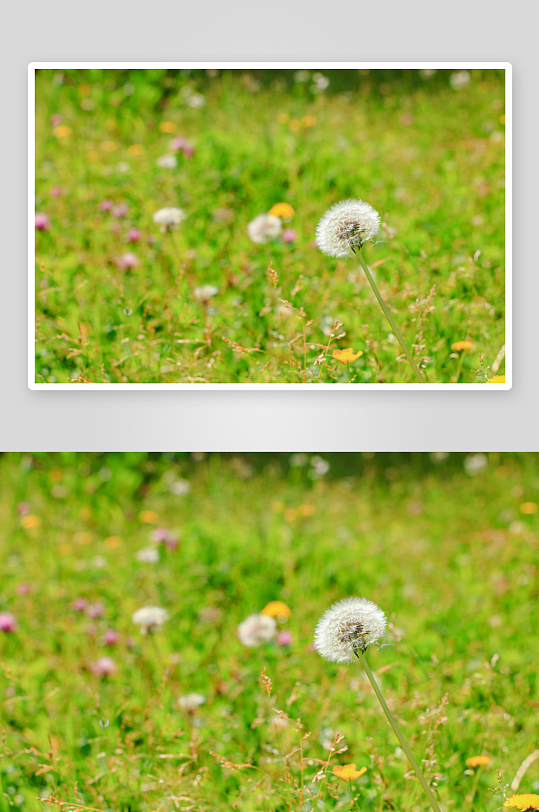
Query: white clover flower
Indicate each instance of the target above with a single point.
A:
(149, 555)
(167, 162)
(257, 629)
(205, 292)
(264, 227)
(168, 218)
(190, 702)
(349, 625)
(149, 618)
(345, 226)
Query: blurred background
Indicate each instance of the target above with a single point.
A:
(97, 714)
(119, 299)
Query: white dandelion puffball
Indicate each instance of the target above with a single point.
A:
(345, 226)
(150, 618)
(349, 625)
(148, 555)
(264, 227)
(257, 629)
(167, 162)
(190, 702)
(168, 218)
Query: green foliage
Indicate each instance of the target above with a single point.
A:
(450, 557)
(429, 157)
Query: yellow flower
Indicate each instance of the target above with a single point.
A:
(135, 149)
(276, 609)
(523, 802)
(113, 541)
(85, 90)
(348, 771)
(148, 516)
(108, 146)
(30, 521)
(528, 508)
(346, 356)
(62, 131)
(282, 210)
(497, 379)
(308, 121)
(295, 125)
(477, 761)
(462, 345)
(306, 510)
(167, 126)
(290, 514)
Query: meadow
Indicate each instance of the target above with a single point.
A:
(97, 716)
(123, 299)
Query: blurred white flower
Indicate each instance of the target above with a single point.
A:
(180, 487)
(191, 702)
(150, 618)
(264, 227)
(320, 81)
(346, 226)
(319, 467)
(302, 76)
(149, 555)
(439, 456)
(348, 626)
(205, 292)
(475, 463)
(168, 218)
(167, 162)
(426, 73)
(257, 629)
(298, 460)
(196, 100)
(459, 79)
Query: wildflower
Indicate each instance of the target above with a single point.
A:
(149, 555)
(528, 508)
(111, 637)
(162, 534)
(23, 508)
(348, 625)
(148, 516)
(42, 222)
(56, 119)
(106, 205)
(475, 463)
(8, 622)
(461, 345)
(523, 802)
(298, 460)
(205, 293)
(94, 610)
(167, 126)
(167, 162)
(345, 226)
(257, 629)
(477, 761)
(56, 191)
(135, 149)
(149, 618)
(308, 121)
(133, 235)
(288, 235)
(284, 638)
(79, 604)
(120, 210)
(276, 609)
(283, 210)
(127, 261)
(191, 702)
(263, 228)
(196, 100)
(319, 467)
(30, 521)
(497, 379)
(168, 218)
(180, 487)
(62, 131)
(103, 667)
(459, 79)
(24, 589)
(348, 772)
(346, 356)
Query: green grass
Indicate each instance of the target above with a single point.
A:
(428, 157)
(451, 558)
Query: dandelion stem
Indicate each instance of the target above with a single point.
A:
(389, 317)
(403, 743)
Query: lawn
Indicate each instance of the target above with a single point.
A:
(119, 300)
(96, 715)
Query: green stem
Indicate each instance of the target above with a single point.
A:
(403, 743)
(389, 317)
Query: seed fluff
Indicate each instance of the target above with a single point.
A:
(348, 626)
(346, 226)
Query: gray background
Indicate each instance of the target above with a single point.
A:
(256, 30)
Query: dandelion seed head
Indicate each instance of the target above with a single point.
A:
(149, 618)
(257, 629)
(345, 226)
(264, 227)
(168, 218)
(349, 625)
